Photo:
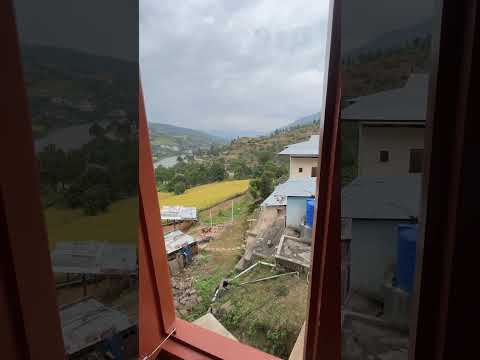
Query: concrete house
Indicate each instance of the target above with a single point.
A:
(291, 197)
(391, 128)
(386, 192)
(303, 158)
(376, 206)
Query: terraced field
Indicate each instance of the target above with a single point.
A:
(205, 196)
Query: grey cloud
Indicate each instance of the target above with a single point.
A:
(223, 64)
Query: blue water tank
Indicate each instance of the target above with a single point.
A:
(406, 255)
(310, 212)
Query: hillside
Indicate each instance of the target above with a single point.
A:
(169, 140)
(248, 148)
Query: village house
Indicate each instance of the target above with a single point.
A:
(391, 127)
(303, 158)
(386, 194)
(290, 197)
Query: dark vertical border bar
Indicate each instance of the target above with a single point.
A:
(323, 328)
(31, 289)
(447, 254)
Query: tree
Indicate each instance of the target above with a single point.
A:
(96, 199)
(179, 188)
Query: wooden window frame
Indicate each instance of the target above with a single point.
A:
(443, 303)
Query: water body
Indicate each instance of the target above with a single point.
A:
(167, 162)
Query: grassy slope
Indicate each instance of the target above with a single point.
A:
(246, 148)
(118, 225)
(205, 196)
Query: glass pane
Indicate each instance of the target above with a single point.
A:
(233, 96)
(81, 74)
(386, 62)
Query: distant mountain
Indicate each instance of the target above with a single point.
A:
(170, 140)
(233, 134)
(396, 38)
(306, 120)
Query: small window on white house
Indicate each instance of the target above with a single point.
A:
(384, 156)
(300, 170)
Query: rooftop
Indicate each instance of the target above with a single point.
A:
(387, 198)
(406, 104)
(178, 213)
(292, 187)
(175, 240)
(310, 147)
(85, 323)
(92, 257)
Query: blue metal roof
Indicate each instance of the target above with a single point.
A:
(293, 187)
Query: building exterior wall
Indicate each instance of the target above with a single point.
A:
(305, 163)
(373, 254)
(296, 210)
(397, 140)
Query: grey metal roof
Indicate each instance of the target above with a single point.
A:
(92, 257)
(175, 240)
(390, 197)
(404, 104)
(310, 147)
(85, 322)
(293, 187)
(178, 213)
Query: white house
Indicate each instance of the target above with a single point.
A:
(303, 158)
(391, 128)
(376, 206)
(291, 196)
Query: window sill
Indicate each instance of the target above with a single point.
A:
(193, 342)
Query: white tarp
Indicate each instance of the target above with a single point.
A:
(174, 241)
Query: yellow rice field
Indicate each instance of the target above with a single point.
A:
(120, 223)
(206, 196)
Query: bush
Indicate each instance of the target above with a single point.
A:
(179, 188)
(96, 199)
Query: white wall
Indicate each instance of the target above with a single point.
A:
(373, 251)
(305, 163)
(397, 140)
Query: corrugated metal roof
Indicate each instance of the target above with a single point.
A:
(306, 148)
(178, 213)
(405, 104)
(390, 197)
(92, 257)
(85, 322)
(175, 240)
(293, 187)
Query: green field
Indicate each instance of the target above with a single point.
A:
(118, 225)
(205, 196)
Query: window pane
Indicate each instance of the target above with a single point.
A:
(386, 64)
(233, 96)
(81, 74)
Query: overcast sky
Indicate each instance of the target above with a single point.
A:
(223, 64)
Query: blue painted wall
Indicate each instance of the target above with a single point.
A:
(296, 210)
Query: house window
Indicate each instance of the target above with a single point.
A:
(300, 170)
(384, 156)
(314, 171)
(416, 161)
